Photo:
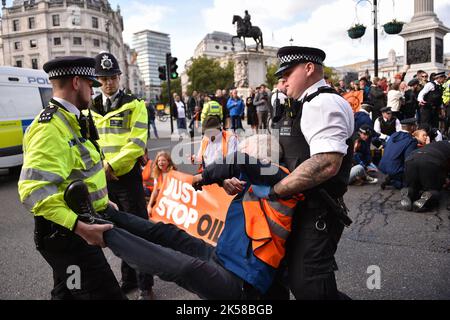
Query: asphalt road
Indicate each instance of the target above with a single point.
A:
(411, 250)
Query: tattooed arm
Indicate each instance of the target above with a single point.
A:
(314, 171)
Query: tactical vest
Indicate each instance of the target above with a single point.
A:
(434, 97)
(388, 127)
(296, 149)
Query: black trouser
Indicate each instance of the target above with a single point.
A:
(61, 249)
(172, 254)
(429, 115)
(128, 194)
(310, 253)
(423, 175)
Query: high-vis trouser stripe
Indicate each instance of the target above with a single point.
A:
(40, 175)
(39, 195)
(141, 125)
(139, 142)
(85, 174)
(85, 156)
(113, 130)
(99, 194)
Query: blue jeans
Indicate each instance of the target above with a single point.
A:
(172, 254)
(151, 123)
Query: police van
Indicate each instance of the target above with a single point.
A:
(23, 94)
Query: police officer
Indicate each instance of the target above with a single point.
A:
(59, 147)
(426, 170)
(315, 136)
(430, 100)
(122, 124)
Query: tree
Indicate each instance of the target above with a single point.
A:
(175, 86)
(271, 79)
(206, 75)
(331, 74)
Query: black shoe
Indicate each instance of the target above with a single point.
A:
(78, 199)
(127, 287)
(385, 183)
(421, 204)
(405, 202)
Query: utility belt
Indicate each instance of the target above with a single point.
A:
(50, 236)
(326, 208)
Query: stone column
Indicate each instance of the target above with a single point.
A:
(423, 8)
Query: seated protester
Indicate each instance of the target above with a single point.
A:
(397, 149)
(359, 176)
(363, 117)
(163, 164)
(216, 143)
(386, 125)
(433, 133)
(426, 170)
(421, 137)
(230, 270)
(361, 148)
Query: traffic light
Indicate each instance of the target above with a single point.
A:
(173, 68)
(162, 72)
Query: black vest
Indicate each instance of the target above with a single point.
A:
(388, 127)
(434, 97)
(120, 100)
(296, 150)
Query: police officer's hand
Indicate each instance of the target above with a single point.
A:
(113, 204)
(233, 186)
(92, 233)
(110, 176)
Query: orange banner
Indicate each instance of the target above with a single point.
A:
(355, 98)
(200, 213)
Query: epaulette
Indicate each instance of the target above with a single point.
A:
(48, 113)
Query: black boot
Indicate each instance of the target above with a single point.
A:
(78, 199)
(405, 202)
(422, 204)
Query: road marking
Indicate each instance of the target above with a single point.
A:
(166, 146)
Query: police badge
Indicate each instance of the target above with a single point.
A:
(106, 62)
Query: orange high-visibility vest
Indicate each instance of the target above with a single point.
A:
(226, 135)
(147, 175)
(268, 224)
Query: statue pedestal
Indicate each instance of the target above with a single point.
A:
(424, 35)
(250, 70)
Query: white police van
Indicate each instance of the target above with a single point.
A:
(23, 94)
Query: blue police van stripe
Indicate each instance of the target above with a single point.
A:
(26, 123)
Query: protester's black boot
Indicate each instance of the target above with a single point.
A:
(77, 198)
(405, 202)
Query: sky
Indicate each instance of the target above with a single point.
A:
(317, 23)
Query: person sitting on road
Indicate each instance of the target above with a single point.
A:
(422, 137)
(249, 250)
(163, 164)
(362, 158)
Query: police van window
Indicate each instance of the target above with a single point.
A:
(18, 102)
(46, 95)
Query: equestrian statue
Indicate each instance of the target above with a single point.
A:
(246, 30)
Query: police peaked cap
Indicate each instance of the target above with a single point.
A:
(409, 121)
(71, 66)
(292, 55)
(440, 74)
(366, 129)
(106, 65)
(386, 109)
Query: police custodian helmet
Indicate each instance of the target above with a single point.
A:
(106, 65)
(291, 56)
(71, 66)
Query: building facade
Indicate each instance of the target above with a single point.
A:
(151, 48)
(33, 32)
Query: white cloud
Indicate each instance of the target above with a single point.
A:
(141, 16)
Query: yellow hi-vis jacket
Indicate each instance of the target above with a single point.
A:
(211, 108)
(55, 154)
(122, 131)
(446, 94)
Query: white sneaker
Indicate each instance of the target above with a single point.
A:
(371, 180)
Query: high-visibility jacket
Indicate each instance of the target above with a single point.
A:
(211, 108)
(55, 154)
(123, 131)
(252, 243)
(226, 135)
(446, 94)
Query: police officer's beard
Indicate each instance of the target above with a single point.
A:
(82, 102)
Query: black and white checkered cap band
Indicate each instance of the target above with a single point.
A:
(72, 71)
(299, 57)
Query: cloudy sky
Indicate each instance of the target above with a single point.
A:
(320, 23)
